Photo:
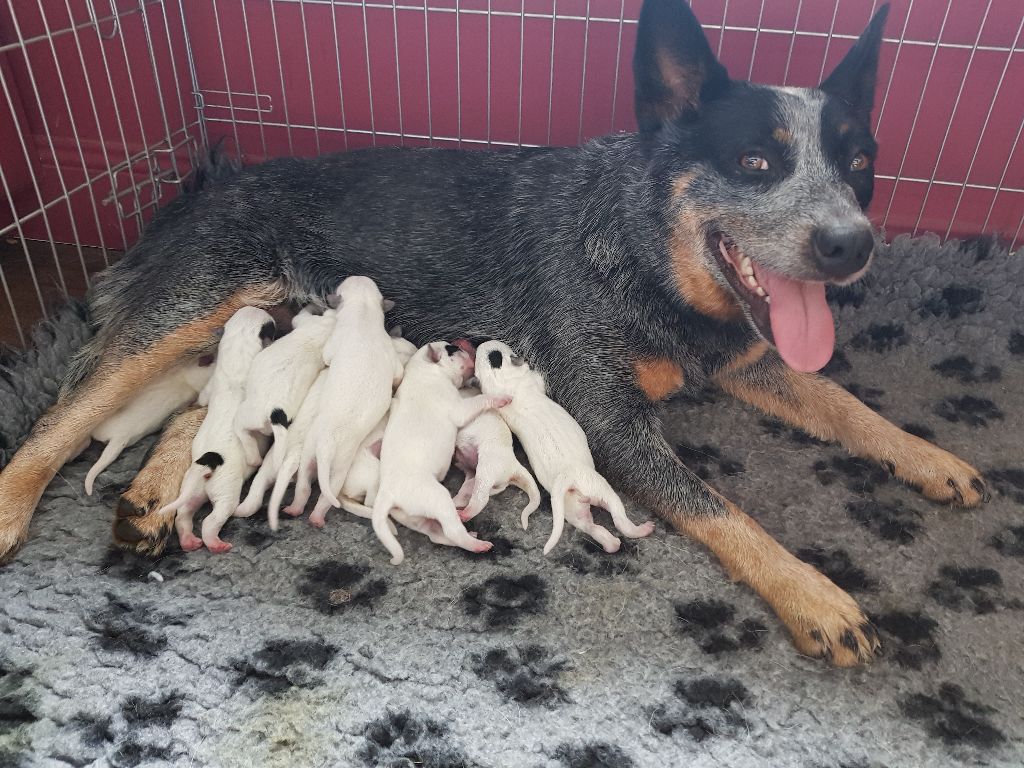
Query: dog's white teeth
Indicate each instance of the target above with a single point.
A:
(746, 268)
(760, 291)
(752, 281)
(767, 299)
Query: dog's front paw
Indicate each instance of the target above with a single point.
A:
(940, 475)
(139, 526)
(825, 622)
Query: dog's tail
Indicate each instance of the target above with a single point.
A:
(213, 165)
(110, 453)
(384, 530)
(281, 483)
(279, 423)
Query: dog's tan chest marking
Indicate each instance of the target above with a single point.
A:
(658, 377)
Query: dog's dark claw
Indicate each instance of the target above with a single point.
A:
(890, 467)
(980, 487)
(956, 489)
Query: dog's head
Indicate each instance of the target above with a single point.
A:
(454, 362)
(500, 370)
(766, 186)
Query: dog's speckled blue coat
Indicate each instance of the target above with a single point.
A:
(307, 648)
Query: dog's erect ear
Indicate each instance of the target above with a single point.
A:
(387, 305)
(853, 79)
(396, 332)
(516, 360)
(433, 353)
(334, 301)
(673, 67)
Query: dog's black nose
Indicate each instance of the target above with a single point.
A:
(841, 251)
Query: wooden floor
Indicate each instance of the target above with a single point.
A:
(51, 265)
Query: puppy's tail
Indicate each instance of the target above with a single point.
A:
(332, 464)
(385, 532)
(284, 477)
(561, 488)
(523, 480)
(191, 487)
(110, 453)
(279, 422)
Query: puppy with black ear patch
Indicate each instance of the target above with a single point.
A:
(147, 412)
(557, 448)
(483, 451)
(219, 467)
(363, 369)
(419, 441)
(279, 379)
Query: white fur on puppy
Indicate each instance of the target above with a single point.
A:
(483, 451)
(416, 453)
(279, 379)
(557, 448)
(363, 369)
(146, 413)
(219, 468)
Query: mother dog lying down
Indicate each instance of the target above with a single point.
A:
(693, 252)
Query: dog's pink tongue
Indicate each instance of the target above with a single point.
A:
(802, 324)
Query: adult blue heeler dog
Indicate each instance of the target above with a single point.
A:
(693, 252)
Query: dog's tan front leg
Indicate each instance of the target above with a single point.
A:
(825, 410)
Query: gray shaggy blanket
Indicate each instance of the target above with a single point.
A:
(305, 648)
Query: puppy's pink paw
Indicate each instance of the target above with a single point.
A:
(500, 401)
(644, 529)
(317, 520)
(481, 547)
(218, 546)
(293, 511)
(464, 514)
(190, 543)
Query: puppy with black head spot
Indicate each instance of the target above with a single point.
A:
(557, 449)
(219, 467)
(279, 379)
(418, 444)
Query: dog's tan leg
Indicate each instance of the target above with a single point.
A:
(137, 525)
(825, 410)
(63, 428)
(824, 621)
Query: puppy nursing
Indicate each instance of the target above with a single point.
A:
(419, 441)
(219, 466)
(557, 448)
(146, 413)
(327, 394)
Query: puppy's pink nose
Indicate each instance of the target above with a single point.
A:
(465, 346)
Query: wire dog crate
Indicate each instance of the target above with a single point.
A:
(105, 102)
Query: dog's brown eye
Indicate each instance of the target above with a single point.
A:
(860, 162)
(754, 163)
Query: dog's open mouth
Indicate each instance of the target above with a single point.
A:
(791, 314)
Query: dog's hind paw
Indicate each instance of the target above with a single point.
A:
(141, 529)
(12, 537)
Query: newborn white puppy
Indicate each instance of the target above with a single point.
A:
(483, 451)
(219, 467)
(557, 448)
(363, 369)
(279, 379)
(147, 412)
(287, 454)
(419, 440)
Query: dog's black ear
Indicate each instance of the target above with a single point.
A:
(673, 67)
(853, 79)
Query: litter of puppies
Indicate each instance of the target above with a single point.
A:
(376, 421)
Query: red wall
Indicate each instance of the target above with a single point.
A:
(949, 126)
